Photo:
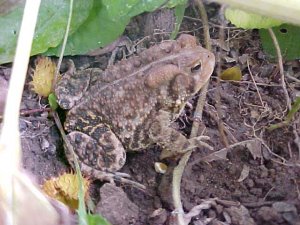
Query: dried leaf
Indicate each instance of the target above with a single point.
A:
(254, 146)
(160, 167)
(43, 76)
(232, 73)
(65, 189)
(244, 173)
(218, 155)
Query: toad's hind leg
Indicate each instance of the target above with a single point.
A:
(102, 151)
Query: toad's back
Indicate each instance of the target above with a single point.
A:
(128, 96)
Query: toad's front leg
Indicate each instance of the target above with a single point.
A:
(172, 140)
(71, 87)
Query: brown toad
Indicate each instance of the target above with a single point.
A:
(131, 104)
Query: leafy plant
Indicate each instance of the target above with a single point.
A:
(286, 34)
(94, 24)
(50, 27)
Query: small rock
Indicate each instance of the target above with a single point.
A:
(243, 58)
(237, 193)
(158, 217)
(268, 214)
(249, 183)
(44, 144)
(256, 191)
(260, 182)
(289, 211)
(115, 206)
(291, 217)
(284, 207)
(263, 172)
(232, 170)
(240, 215)
(212, 214)
(23, 125)
(272, 172)
(219, 209)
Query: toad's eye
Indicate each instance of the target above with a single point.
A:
(196, 68)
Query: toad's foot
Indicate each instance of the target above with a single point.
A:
(111, 176)
(172, 140)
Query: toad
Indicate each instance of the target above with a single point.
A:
(131, 104)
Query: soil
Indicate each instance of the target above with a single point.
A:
(255, 182)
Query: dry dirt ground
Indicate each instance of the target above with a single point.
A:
(254, 182)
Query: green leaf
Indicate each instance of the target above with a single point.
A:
(97, 23)
(97, 31)
(248, 20)
(173, 3)
(295, 108)
(9, 26)
(106, 23)
(50, 28)
(289, 117)
(288, 37)
(96, 220)
(52, 101)
(179, 13)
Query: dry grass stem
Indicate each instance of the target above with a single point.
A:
(15, 186)
(63, 45)
(251, 75)
(283, 84)
(178, 171)
(281, 70)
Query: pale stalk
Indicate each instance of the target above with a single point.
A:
(288, 10)
(10, 147)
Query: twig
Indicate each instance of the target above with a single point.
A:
(292, 78)
(210, 23)
(177, 176)
(218, 85)
(286, 94)
(297, 139)
(63, 46)
(178, 171)
(221, 154)
(280, 64)
(269, 191)
(297, 188)
(251, 75)
(31, 111)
